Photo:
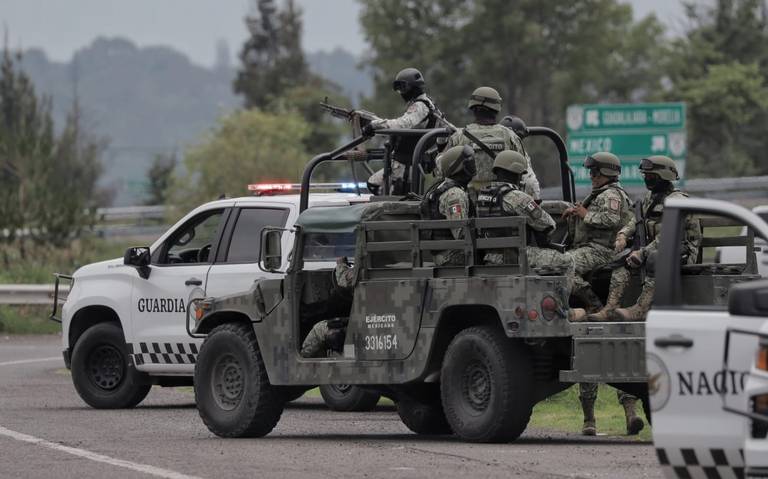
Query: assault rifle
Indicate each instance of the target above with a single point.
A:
(358, 118)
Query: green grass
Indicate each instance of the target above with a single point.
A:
(37, 266)
(27, 320)
(562, 412)
(39, 263)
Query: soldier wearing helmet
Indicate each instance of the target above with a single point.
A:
(420, 112)
(594, 224)
(448, 199)
(659, 172)
(485, 105)
(504, 197)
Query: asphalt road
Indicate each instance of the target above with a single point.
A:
(47, 431)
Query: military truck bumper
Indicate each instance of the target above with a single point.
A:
(607, 353)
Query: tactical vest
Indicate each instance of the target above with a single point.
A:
(402, 151)
(496, 141)
(490, 203)
(586, 234)
(652, 213)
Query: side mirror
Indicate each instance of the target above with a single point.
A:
(139, 257)
(271, 250)
(749, 299)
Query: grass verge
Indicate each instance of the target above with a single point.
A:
(27, 320)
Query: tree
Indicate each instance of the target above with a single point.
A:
(49, 183)
(542, 55)
(719, 67)
(160, 175)
(275, 76)
(245, 147)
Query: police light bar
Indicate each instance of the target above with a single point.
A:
(263, 188)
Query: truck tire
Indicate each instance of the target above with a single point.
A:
(232, 390)
(423, 418)
(486, 386)
(347, 398)
(101, 371)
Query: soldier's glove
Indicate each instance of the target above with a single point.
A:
(620, 244)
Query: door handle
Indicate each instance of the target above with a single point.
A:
(673, 341)
(193, 282)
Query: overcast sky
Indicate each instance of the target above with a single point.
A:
(60, 27)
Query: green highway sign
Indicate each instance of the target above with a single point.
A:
(671, 144)
(630, 131)
(655, 116)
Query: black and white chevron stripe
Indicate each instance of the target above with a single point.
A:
(694, 463)
(163, 353)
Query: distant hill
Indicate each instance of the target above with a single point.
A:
(150, 100)
(342, 68)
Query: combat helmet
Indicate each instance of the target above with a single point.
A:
(606, 163)
(457, 159)
(510, 161)
(661, 165)
(408, 80)
(487, 97)
(516, 124)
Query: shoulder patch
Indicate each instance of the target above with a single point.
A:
(455, 209)
(614, 204)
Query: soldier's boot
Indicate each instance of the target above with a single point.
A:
(634, 423)
(590, 299)
(614, 301)
(588, 407)
(636, 312)
(576, 315)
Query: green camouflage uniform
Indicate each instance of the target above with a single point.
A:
(652, 207)
(454, 205)
(519, 203)
(498, 138)
(608, 210)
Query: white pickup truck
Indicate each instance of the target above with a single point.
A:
(123, 326)
(707, 360)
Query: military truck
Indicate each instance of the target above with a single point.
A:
(466, 349)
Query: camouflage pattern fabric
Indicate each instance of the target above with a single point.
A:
(454, 205)
(345, 275)
(692, 240)
(588, 392)
(652, 208)
(377, 178)
(587, 259)
(608, 210)
(415, 116)
(314, 344)
(519, 203)
(498, 138)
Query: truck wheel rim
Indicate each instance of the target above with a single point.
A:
(477, 386)
(227, 382)
(341, 388)
(106, 367)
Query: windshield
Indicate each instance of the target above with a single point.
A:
(328, 246)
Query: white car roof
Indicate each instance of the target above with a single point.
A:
(315, 199)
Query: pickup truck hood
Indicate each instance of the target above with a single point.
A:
(110, 266)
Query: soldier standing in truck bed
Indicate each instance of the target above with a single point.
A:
(420, 112)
